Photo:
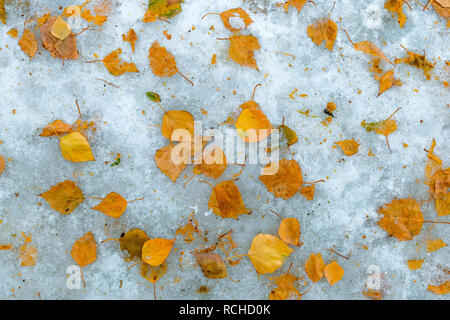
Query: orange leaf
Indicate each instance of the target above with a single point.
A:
(289, 231)
(402, 218)
(116, 66)
(28, 255)
(298, 4)
(64, 197)
(214, 163)
(151, 273)
(132, 242)
(268, 253)
(28, 43)
(163, 159)
(387, 81)
(176, 120)
(2, 164)
(323, 30)
(442, 203)
(212, 265)
(65, 49)
(156, 251)
(242, 50)
(395, 6)
(226, 200)
(415, 264)
(349, 147)
(84, 250)
(441, 289)
(371, 49)
(434, 245)
(419, 61)
(130, 37)
(57, 127)
(333, 272)
(286, 182)
(314, 267)
(308, 192)
(113, 205)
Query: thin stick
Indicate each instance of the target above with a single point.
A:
(238, 256)
(407, 3)
(77, 34)
(348, 37)
(444, 222)
(111, 239)
(393, 114)
(314, 182)
(279, 216)
(254, 90)
(389, 147)
(79, 110)
(82, 279)
(185, 78)
(427, 5)
(111, 84)
(134, 265)
(340, 254)
(154, 290)
(184, 184)
(419, 4)
(97, 198)
(222, 38)
(206, 183)
(94, 61)
(235, 281)
(139, 199)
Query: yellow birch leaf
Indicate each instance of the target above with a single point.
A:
(116, 66)
(349, 147)
(113, 205)
(156, 251)
(289, 231)
(226, 200)
(434, 245)
(242, 50)
(286, 181)
(333, 272)
(84, 250)
(314, 267)
(57, 127)
(60, 29)
(64, 197)
(323, 30)
(75, 147)
(268, 253)
(163, 159)
(28, 43)
(175, 120)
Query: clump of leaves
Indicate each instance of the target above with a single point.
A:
(64, 197)
(65, 49)
(417, 60)
(267, 253)
(113, 205)
(160, 9)
(323, 30)
(395, 6)
(234, 20)
(402, 218)
(212, 265)
(252, 124)
(285, 287)
(84, 252)
(163, 63)
(384, 127)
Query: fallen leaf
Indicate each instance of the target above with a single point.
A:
(75, 148)
(2, 164)
(440, 182)
(323, 30)
(64, 197)
(415, 264)
(28, 43)
(151, 273)
(189, 229)
(214, 163)
(333, 272)
(395, 6)
(84, 251)
(97, 19)
(419, 61)
(116, 66)
(387, 81)
(441, 289)
(373, 294)
(268, 253)
(286, 181)
(177, 120)
(349, 147)
(235, 19)
(162, 62)
(28, 255)
(288, 135)
(212, 265)
(314, 267)
(4, 247)
(385, 127)
(132, 242)
(285, 287)
(113, 205)
(2, 12)
(369, 48)
(402, 218)
(252, 124)
(62, 49)
(163, 159)
(298, 4)
(57, 127)
(60, 29)
(226, 200)
(156, 251)
(442, 203)
(159, 9)
(308, 192)
(434, 245)
(289, 231)
(130, 37)
(242, 50)
(441, 10)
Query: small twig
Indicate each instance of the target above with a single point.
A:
(111, 84)
(340, 254)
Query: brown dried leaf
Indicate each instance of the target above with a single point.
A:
(212, 265)
(286, 181)
(314, 267)
(64, 197)
(63, 49)
(226, 200)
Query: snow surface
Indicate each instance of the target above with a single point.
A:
(343, 214)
